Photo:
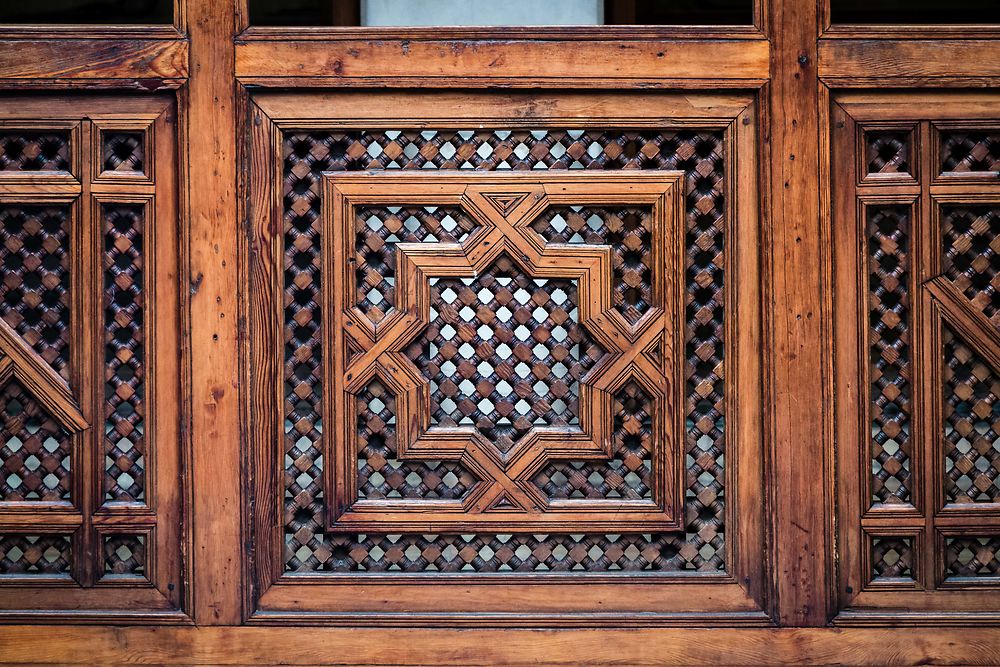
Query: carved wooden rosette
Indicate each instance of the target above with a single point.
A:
(647, 354)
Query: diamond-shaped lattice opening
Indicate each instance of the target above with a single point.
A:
(520, 313)
(892, 558)
(887, 152)
(33, 555)
(970, 151)
(34, 151)
(972, 556)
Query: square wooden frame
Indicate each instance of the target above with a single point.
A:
(661, 191)
(735, 596)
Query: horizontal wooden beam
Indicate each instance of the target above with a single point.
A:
(405, 63)
(410, 646)
(909, 62)
(86, 60)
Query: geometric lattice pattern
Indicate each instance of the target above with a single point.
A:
(627, 230)
(505, 553)
(34, 151)
(124, 388)
(382, 475)
(972, 556)
(627, 474)
(35, 450)
(892, 558)
(887, 152)
(33, 555)
(34, 291)
(970, 151)
(890, 351)
(379, 229)
(971, 255)
(700, 154)
(124, 555)
(123, 151)
(971, 424)
(504, 352)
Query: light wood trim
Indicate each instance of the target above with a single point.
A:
(406, 63)
(214, 252)
(392, 109)
(140, 60)
(798, 276)
(904, 63)
(445, 646)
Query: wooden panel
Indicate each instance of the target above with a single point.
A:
(305, 560)
(215, 285)
(142, 61)
(796, 277)
(424, 63)
(915, 212)
(220, 646)
(909, 62)
(90, 337)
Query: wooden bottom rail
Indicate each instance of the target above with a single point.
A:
(399, 646)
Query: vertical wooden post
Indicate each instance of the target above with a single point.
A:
(801, 472)
(214, 261)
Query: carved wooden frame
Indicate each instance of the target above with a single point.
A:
(933, 301)
(79, 403)
(328, 597)
(504, 206)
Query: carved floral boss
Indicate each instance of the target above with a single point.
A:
(526, 330)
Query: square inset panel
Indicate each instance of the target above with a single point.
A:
(125, 557)
(507, 351)
(893, 561)
(122, 151)
(888, 153)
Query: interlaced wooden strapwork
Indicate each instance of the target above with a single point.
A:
(309, 546)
